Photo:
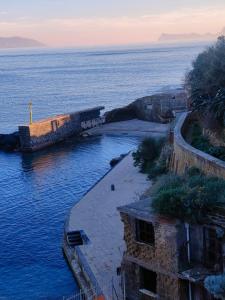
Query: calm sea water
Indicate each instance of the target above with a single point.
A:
(37, 190)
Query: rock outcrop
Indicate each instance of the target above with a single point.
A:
(156, 108)
(116, 160)
(9, 142)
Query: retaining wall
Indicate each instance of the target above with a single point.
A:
(52, 130)
(186, 156)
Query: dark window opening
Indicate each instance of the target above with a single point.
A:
(145, 232)
(212, 249)
(148, 280)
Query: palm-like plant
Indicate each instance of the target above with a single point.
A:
(206, 81)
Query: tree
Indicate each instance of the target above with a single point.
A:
(206, 81)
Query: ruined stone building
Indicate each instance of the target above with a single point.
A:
(169, 259)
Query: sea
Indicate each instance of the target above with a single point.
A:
(38, 190)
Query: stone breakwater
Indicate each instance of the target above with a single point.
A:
(49, 131)
(158, 108)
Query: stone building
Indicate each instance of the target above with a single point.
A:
(168, 259)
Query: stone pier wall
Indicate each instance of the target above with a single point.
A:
(186, 156)
(52, 130)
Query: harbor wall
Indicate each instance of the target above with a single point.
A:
(186, 156)
(49, 131)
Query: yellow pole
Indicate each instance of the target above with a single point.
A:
(31, 113)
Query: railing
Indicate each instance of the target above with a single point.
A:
(114, 292)
(81, 295)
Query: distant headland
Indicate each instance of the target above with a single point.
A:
(18, 42)
(165, 37)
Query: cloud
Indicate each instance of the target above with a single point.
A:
(116, 30)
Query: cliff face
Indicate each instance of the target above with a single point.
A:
(18, 42)
(155, 108)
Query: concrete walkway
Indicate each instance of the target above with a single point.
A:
(97, 215)
(131, 127)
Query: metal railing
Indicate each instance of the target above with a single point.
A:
(83, 295)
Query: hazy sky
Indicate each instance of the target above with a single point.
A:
(106, 22)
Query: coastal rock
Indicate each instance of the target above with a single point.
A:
(9, 142)
(116, 160)
(155, 108)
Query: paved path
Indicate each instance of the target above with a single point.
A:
(131, 127)
(97, 215)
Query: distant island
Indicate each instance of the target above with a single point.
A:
(165, 37)
(18, 42)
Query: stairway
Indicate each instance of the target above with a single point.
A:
(74, 238)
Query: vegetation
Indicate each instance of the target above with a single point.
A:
(188, 197)
(216, 285)
(202, 143)
(206, 82)
(152, 157)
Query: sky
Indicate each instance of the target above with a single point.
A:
(108, 22)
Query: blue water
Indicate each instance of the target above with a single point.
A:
(37, 190)
(67, 80)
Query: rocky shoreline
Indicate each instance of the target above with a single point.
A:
(10, 142)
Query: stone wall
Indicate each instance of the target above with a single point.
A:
(161, 258)
(52, 130)
(168, 257)
(161, 255)
(154, 108)
(168, 288)
(186, 156)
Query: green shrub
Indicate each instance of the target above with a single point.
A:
(202, 143)
(206, 82)
(160, 166)
(147, 152)
(188, 197)
(218, 152)
(169, 201)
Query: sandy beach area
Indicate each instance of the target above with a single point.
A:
(133, 127)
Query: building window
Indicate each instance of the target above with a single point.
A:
(145, 232)
(212, 249)
(148, 280)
